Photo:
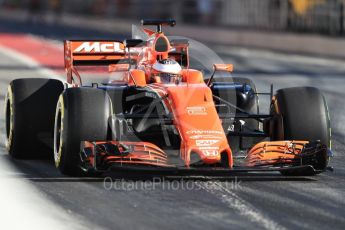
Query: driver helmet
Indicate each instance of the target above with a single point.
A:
(168, 70)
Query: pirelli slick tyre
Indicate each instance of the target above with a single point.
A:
(29, 116)
(305, 116)
(81, 115)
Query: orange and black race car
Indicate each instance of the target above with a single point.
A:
(158, 113)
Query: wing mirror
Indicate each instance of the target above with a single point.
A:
(223, 67)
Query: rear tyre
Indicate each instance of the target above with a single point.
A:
(81, 115)
(29, 116)
(305, 116)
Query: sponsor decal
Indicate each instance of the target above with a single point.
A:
(100, 47)
(201, 132)
(205, 142)
(195, 137)
(197, 110)
(211, 153)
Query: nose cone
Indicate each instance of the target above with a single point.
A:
(198, 123)
(201, 147)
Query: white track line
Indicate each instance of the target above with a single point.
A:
(29, 62)
(233, 201)
(22, 205)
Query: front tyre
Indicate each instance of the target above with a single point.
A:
(305, 116)
(81, 115)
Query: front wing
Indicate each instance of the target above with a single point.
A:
(292, 157)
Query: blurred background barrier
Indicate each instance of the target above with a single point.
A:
(315, 16)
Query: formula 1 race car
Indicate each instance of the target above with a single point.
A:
(159, 114)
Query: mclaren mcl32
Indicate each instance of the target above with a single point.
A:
(161, 114)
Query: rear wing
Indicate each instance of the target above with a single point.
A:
(88, 53)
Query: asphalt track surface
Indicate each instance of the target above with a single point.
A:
(265, 201)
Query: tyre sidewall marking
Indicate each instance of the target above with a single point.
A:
(58, 152)
(9, 97)
(329, 122)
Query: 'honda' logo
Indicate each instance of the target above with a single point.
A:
(100, 47)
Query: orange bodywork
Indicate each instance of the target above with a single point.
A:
(195, 114)
(140, 153)
(275, 153)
